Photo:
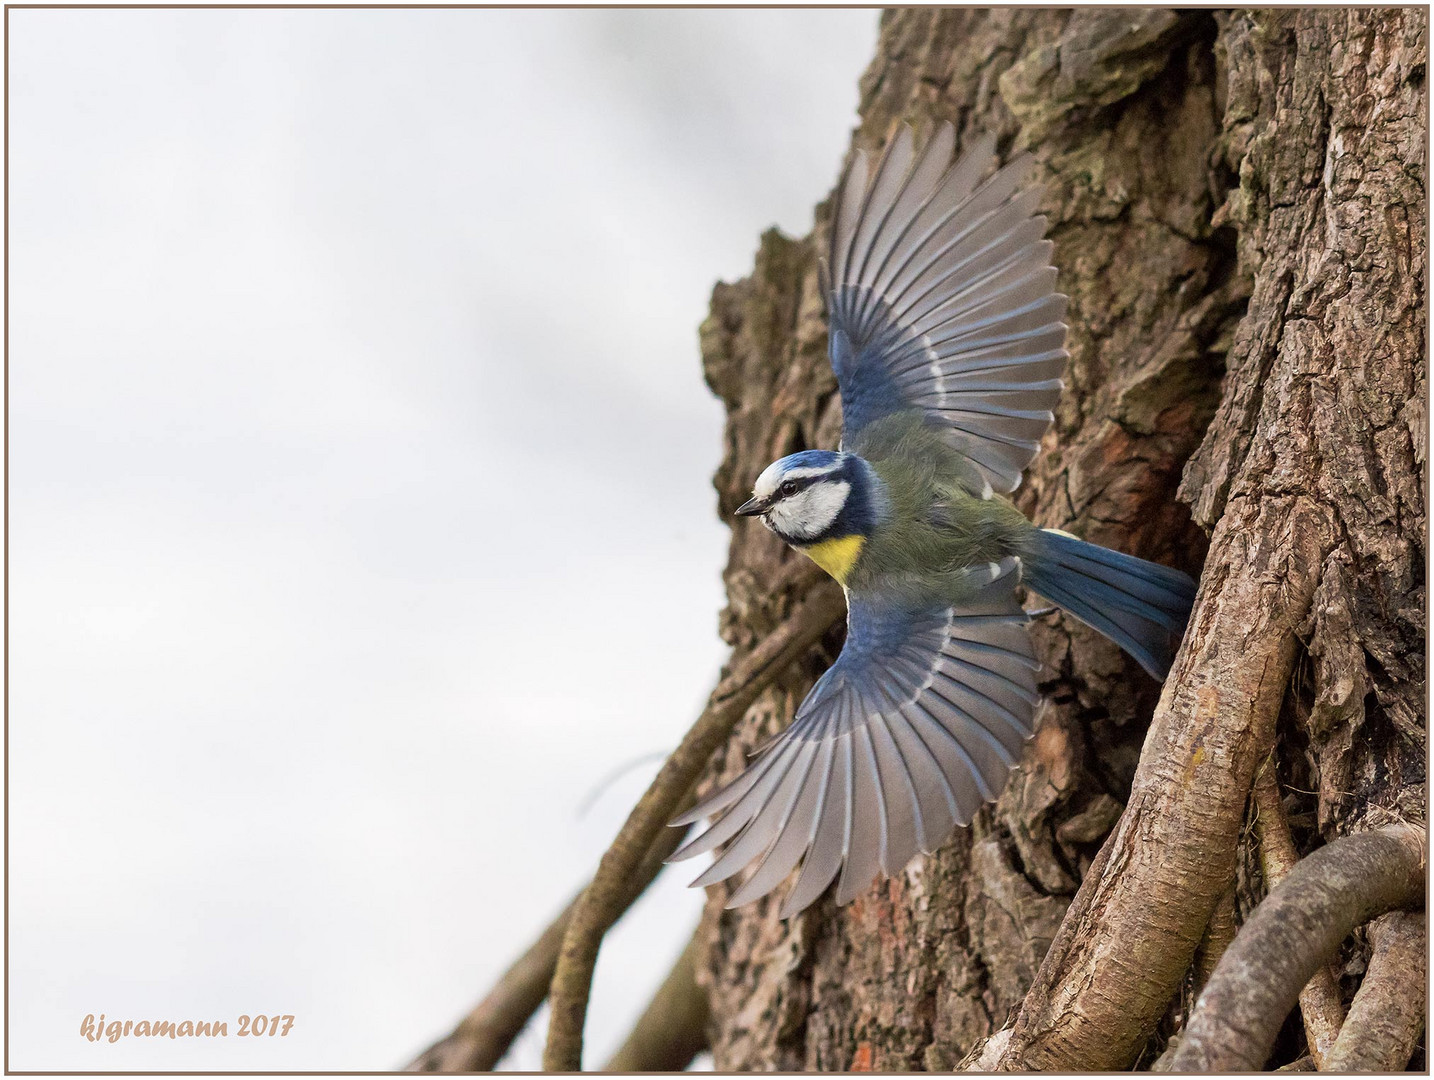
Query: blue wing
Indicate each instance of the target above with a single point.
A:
(942, 299)
(907, 735)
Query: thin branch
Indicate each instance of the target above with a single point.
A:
(1297, 928)
(600, 903)
(1321, 1004)
(483, 1036)
(1387, 1015)
(673, 1029)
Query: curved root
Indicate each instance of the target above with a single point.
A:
(1321, 1006)
(1295, 930)
(1387, 1014)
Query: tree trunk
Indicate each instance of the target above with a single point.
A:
(1237, 201)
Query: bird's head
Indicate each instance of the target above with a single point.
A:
(817, 495)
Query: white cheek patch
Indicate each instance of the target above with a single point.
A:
(808, 514)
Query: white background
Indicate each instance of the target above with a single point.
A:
(361, 519)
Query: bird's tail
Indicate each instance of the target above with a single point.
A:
(1139, 605)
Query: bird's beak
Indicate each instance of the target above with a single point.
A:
(751, 508)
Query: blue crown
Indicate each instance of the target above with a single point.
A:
(810, 459)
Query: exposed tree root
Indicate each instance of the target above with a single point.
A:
(673, 1029)
(1295, 930)
(1321, 1005)
(1140, 914)
(483, 1036)
(1218, 935)
(601, 903)
(1387, 1015)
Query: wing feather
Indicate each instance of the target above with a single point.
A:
(903, 809)
(850, 200)
(935, 801)
(745, 809)
(915, 726)
(880, 200)
(767, 822)
(868, 821)
(796, 828)
(921, 184)
(964, 262)
(933, 273)
(968, 787)
(830, 833)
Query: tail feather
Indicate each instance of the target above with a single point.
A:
(1139, 605)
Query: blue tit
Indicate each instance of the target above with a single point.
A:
(947, 340)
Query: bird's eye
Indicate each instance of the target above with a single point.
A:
(788, 488)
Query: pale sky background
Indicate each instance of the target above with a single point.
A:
(361, 515)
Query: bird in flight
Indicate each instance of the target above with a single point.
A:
(947, 340)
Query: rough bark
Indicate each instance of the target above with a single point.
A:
(1237, 204)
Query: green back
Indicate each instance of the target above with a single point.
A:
(936, 528)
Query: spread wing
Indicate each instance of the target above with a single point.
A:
(942, 298)
(916, 725)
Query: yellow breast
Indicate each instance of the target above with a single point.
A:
(837, 556)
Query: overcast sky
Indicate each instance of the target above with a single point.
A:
(361, 515)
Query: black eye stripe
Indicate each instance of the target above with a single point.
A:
(799, 484)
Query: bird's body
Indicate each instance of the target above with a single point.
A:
(925, 530)
(937, 529)
(947, 344)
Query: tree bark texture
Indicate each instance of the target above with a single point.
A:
(1237, 201)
